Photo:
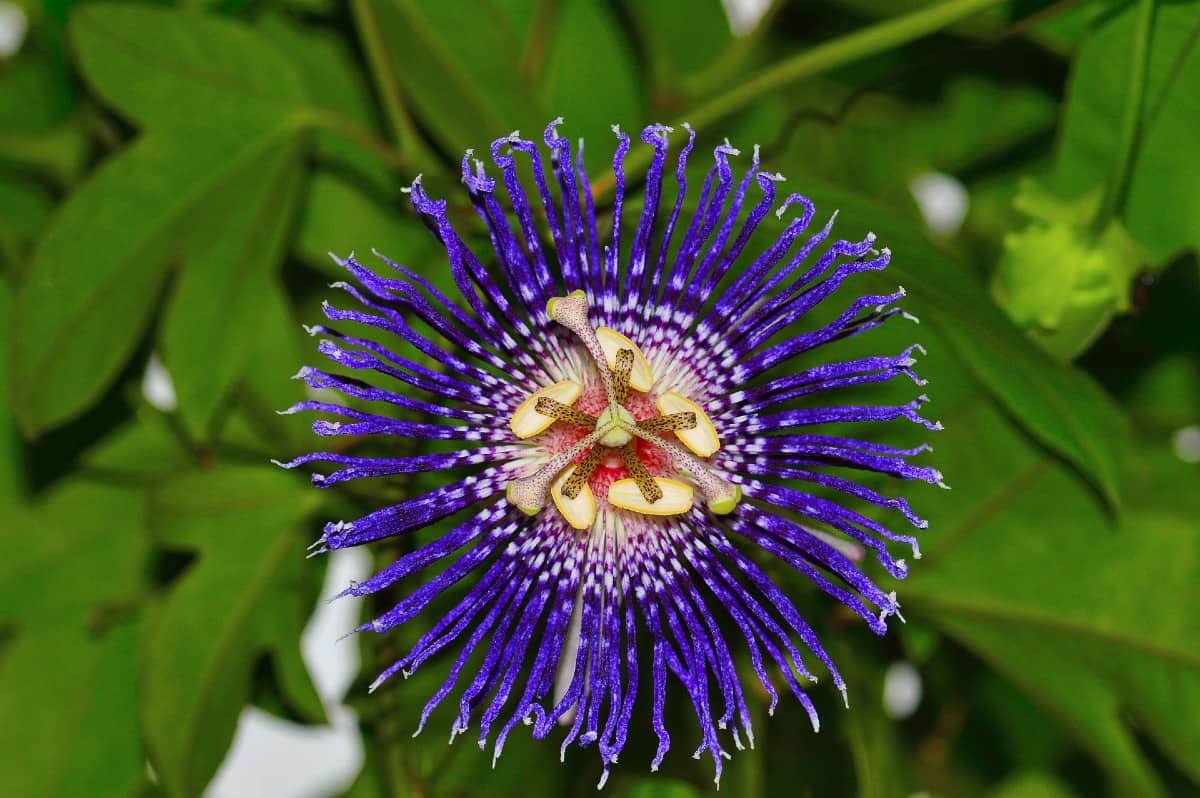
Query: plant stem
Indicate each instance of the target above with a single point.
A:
(319, 117)
(821, 58)
(1131, 120)
(404, 132)
(541, 32)
(735, 56)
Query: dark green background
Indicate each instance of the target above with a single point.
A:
(171, 178)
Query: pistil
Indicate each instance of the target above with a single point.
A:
(621, 366)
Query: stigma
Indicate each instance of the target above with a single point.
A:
(623, 456)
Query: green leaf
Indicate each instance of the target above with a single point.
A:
(239, 599)
(975, 120)
(1062, 407)
(26, 206)
(68, 598)
(69, 706)
(223, 101)
(678, 50)
(1163, 199)
(102, 261)
(1029, 570)
(340, 218)
(211, 319)
(1032, 785)
(146, 450)
(12, 458)
(457, 66)
(145, 206)
(96, 556)
(281, 347)
(36, 96)
(181, 69)
(333, 81)
(660, 787)
(590, 77)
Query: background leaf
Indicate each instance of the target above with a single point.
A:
(1063, 408)
(69, 598)
(74, 328)
(441, 50)
(208, 331)
(160, 67)
(1163, 199)
(235, 601)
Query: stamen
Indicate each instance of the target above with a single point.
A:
(560, 412)
(612, 342)
(702, 438)
(621, 374)
(675, 421)
(676, 498)
(722, 496)
(582, 472)
(527, 421)
(579, 508)
(651, 492)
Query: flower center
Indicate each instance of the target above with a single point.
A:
(618, 421)
(565, 476)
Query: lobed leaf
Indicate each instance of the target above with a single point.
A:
(240, 598)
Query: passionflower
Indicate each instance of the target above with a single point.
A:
(635, 434)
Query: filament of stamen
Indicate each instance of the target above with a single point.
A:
(668, 423)
(645, 480)
(582, 472)
(621, 373)
(561, 412)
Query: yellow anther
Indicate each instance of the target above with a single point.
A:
(640, 474)
(641, 378)
(579, 512)
(701, 439)
(676, 497)
(527, 421)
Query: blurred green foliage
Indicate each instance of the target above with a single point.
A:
(171, 177)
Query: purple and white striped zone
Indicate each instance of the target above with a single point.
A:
(566, 619)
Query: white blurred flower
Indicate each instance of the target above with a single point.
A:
(13, 27)
(901, 690)
(943, 201)
(745, 14)
(157, 387)
(1186, 442)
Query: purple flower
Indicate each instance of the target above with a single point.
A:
(630, 429)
